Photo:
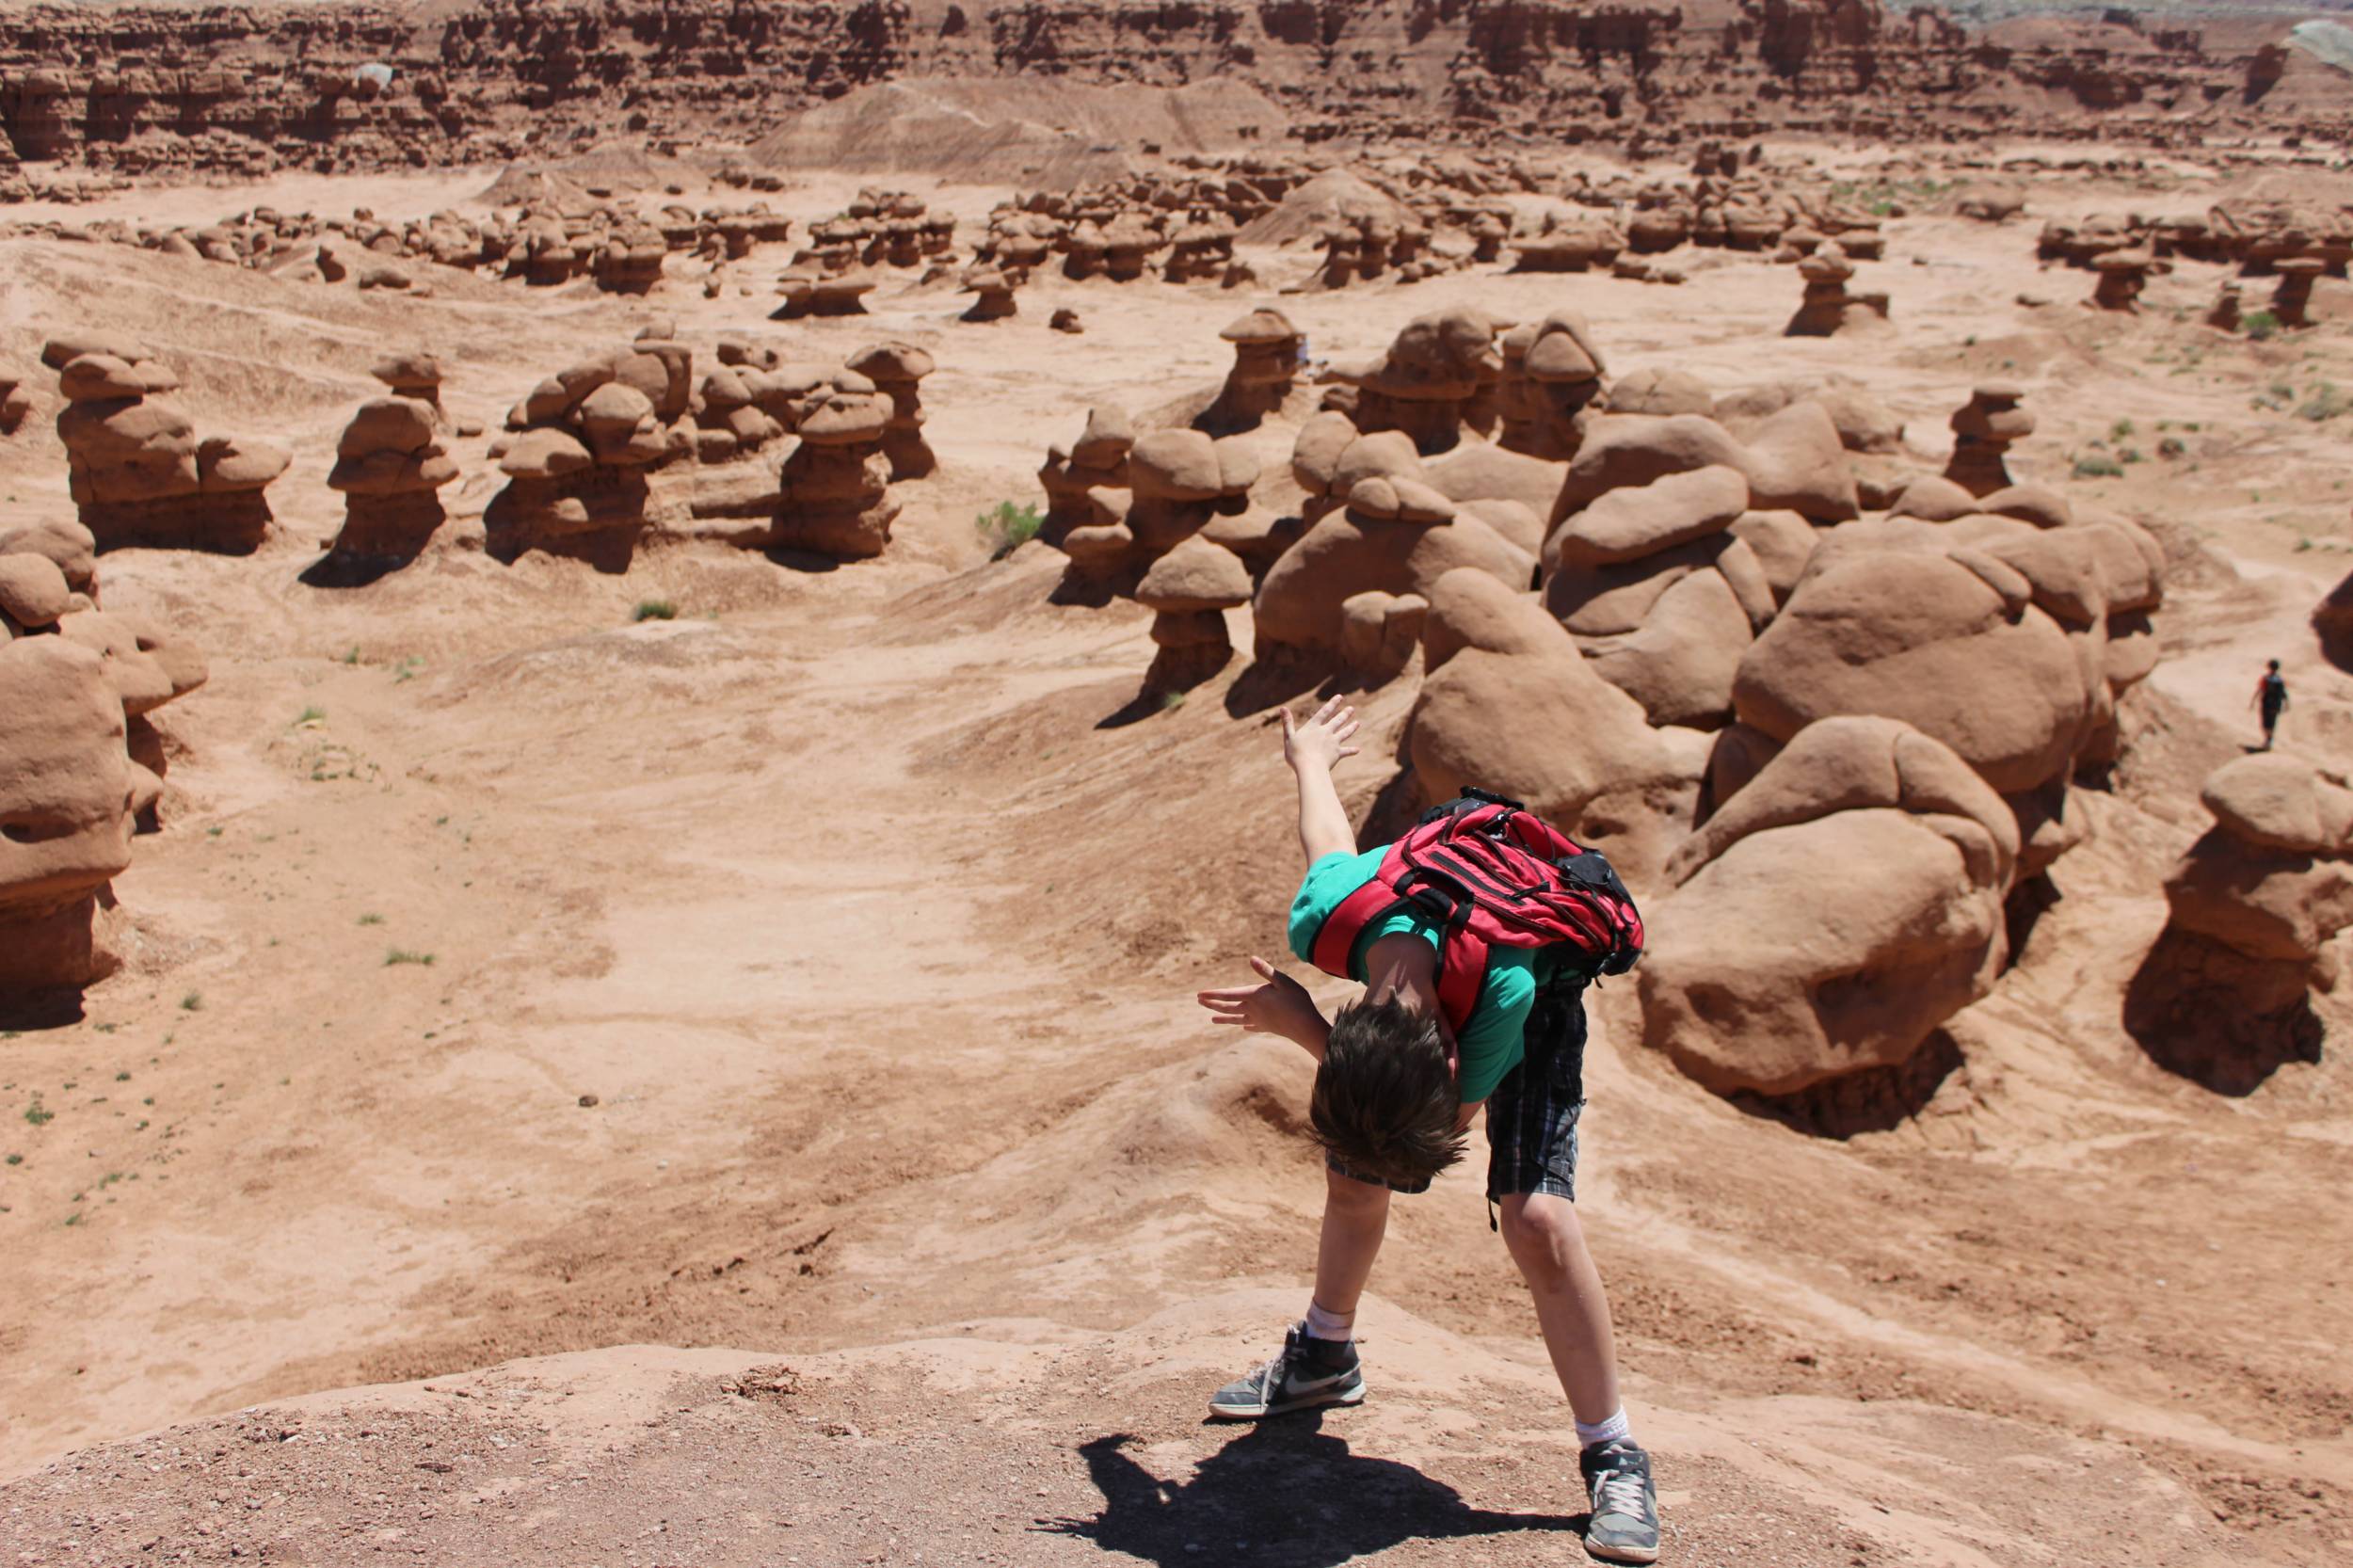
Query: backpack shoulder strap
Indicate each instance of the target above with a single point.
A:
(1462, 968)
(1335, 939)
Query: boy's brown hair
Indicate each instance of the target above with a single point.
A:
(1385, 1105)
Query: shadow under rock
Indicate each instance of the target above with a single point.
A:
(1284, 1494)
(2223, 1021)
(1875, 1099)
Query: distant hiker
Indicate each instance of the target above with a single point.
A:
(2271, 695)
(1468, 1001)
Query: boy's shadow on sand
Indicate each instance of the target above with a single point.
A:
(1294, 1494)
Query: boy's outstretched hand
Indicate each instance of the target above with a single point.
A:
(1321, 739)
(1281, 1006)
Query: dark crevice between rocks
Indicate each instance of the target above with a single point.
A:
(1877, 1100)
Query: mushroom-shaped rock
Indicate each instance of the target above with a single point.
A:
(1189, 589)
(66, 792)
(138, 471)
(1266, 362)
(897, 370)
(1983, 430)
(2224, 997)
(389, 462)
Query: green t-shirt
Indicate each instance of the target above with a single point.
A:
(1492, 1041)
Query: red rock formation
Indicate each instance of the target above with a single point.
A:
(347, 83)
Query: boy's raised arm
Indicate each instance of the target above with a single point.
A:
(1312, 747)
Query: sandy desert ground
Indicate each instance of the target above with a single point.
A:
(916, 1211)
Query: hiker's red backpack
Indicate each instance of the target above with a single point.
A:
(1490, 874)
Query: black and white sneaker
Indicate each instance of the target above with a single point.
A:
(1625, 1523)
(1308, 1372)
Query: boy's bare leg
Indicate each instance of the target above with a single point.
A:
(1355, 1217)
(1548, 1244)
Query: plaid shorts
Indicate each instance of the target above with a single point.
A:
(1533, 1114)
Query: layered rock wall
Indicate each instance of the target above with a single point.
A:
(341, 83)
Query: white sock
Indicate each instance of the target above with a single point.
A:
(1338, 1327)
(1609, 1430)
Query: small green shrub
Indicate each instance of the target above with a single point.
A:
(39, 1114)
(371, 919)
(1007, 527)
(192, 1002)
(312, 714)
(2120, 430)
(402, 955)
(654, 609)
(2328, 401)
(2259, 325)
(2097, 468)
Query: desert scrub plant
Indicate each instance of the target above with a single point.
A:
(2097, 467)
(1006, 527)
(2259, 325)
(371, 919)
(2120, 430)
(37, 1114)
(654, 609)
(402, 955)
(192, 1002)
(312, 714)
(2327, 400)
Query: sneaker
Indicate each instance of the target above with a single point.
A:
(1308, 1371)
(1625, 1523)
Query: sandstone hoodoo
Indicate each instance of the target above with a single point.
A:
(1267, 350)
(834, 491)
(584, 441)
(2292, 301)
(992, 292)
(2225, 995)
(629, 259)
(1550, 373)
(800, 458)
(66, 777)
(1188, 591)
(897, 370)
(2123, 274)
(1439, 374)
(1984, 429)
(1827, 306)
(140, 474)
(390, 463)
(82, 766)
(1081, 482)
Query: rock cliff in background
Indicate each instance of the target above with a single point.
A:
(341, 84)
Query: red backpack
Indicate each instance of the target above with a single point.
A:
(1490, 874)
